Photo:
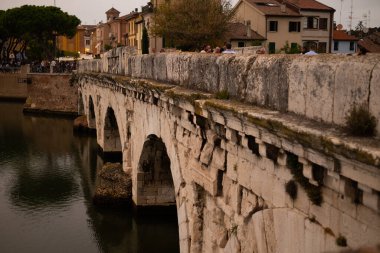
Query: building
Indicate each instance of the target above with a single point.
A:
(240, 35)
(343, 42)
(289, 22)
(155, 43)
(371, 43)
(80, 43)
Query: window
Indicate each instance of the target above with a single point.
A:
(352, 45)
(294, 26)
(273, 26)
(87, 42)
(336, 45)
(322, 47)
(241, 44)
(272, 47)
(323, 23)
(311, 23)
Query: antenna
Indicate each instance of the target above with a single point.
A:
(351, 14)
(369, 19)
(340, 14)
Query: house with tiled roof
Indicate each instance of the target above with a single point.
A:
(343, 42)
(288, 22)
(241, 35)
(371, 43)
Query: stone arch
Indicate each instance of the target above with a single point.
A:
(155, 185)
(111, 138)
(91, 114)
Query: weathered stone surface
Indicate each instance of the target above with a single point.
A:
(113, 185)
(52, 93)
(223, 185)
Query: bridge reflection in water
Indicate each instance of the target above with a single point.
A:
(47, 178)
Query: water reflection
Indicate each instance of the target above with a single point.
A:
(47, 178)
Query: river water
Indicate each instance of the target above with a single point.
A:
(47, 177)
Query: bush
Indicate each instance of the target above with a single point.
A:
(360, 122)
(223, 94)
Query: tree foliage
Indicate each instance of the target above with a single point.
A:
(32, 29)
(145, 41)
(189, 24)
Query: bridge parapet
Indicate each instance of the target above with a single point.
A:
(323, 87)
(232, 164)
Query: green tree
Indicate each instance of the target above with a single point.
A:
(32, 30)
(145, 41)
(190, 24)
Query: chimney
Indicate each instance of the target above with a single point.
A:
(283, 8)
(249, 33)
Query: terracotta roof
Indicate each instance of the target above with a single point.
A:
(113, 10)
(371, 43)
(310, 5)
(238, 31)
(342, 35)
(272, 8)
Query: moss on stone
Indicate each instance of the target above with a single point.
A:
(190, 97)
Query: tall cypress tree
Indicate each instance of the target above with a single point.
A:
(145, 41)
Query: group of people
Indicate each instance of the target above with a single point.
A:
(46, 66)
(227, 49)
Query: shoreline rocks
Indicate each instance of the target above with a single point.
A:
(113, 186)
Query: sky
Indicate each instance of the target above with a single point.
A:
(92, 11)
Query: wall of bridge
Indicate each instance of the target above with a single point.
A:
(230, 163)
(323, 87)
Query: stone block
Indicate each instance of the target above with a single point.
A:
(263, 86)
(252, 130)
(244, 171)
(279, 194)
(372, 200)
(302, 201)
(346, 205)
(206, 153)
(259, 232)
(267, 165)
(321, 213)
(267, 187)
(271, 139)
(331, 182)
(330, 196)
(262, 149)
(218, 159)
(351, 86)
(374, 103)
(320, 159)
(231, 135)
(361, 173)
(233, 245)
(232, 164)
(257, 178)
(314, 237)
(368, 217)
(231, 148)
(247, 154)
(249, 203)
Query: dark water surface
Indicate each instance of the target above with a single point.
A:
(47, 178)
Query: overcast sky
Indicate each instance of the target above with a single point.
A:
(92, 11)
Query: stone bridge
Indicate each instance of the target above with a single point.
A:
(267, 170)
